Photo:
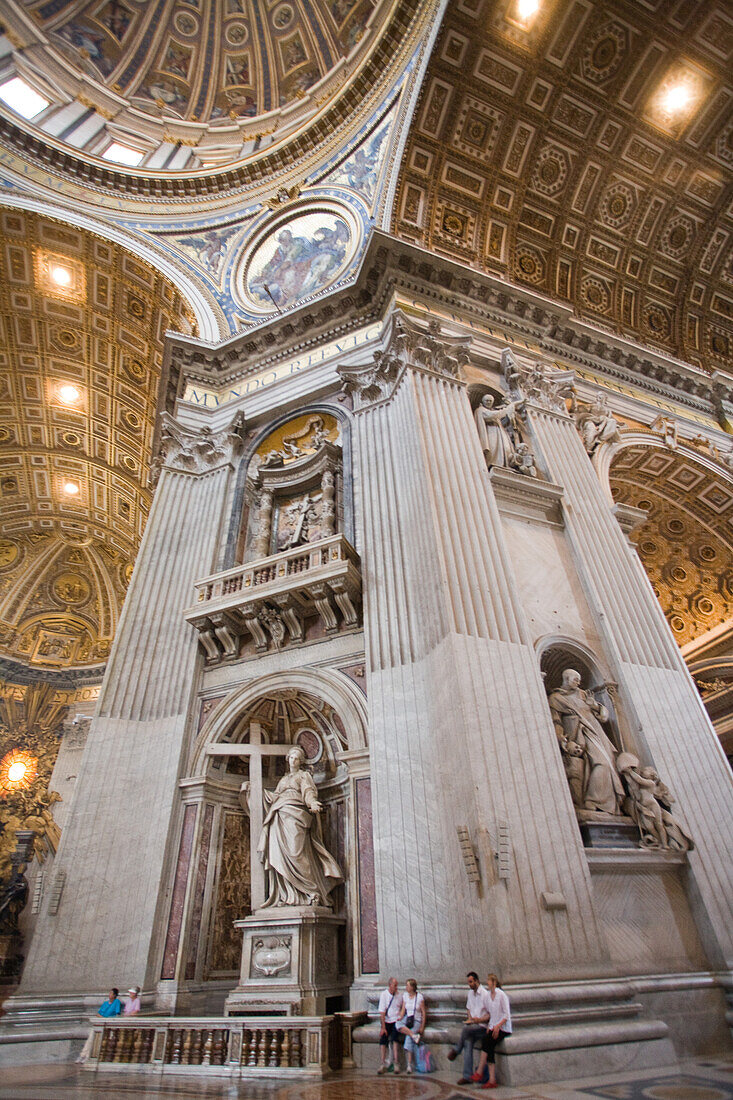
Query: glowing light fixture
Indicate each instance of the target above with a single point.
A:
(71, 488)
(60, 275)
(69, 394)
(18, 769)
(122, 154)
(21, 98)
(527, 9)
(676, 98)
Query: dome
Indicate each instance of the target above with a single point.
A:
(195, 84)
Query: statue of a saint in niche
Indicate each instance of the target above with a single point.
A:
(498, 430)
(589, 755)
(299, 869)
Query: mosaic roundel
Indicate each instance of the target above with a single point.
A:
(297, 258)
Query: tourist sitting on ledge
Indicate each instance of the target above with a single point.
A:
(111, 1007)
(498, 1027)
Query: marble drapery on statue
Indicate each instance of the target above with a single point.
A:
(299, 868)
(588, 754)
(498, 429)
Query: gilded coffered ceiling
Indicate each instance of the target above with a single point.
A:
(686, 542)
(82, 325)
(585, 152)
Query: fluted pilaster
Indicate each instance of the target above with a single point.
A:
(126, 791)
(459, 726)
(671, 726)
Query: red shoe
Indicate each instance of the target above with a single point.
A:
(490, 1085)
(475, 1077)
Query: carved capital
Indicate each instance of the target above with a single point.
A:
(409, 346)
(546, 387)
(196, 452)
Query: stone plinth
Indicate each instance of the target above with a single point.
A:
(607, 830)
(289, 962)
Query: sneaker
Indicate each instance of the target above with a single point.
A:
(452, 1055)
(396, 1069)
(381, 1070)
(475, 1077)
(464, 1080)
(409, 1069)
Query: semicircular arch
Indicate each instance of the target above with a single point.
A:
(333, 687)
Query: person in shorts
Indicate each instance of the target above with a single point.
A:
(390, 1010)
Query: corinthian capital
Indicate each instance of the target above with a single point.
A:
(542, 385)
(409, 346)
(196, 452)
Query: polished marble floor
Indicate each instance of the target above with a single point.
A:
(709, 1079)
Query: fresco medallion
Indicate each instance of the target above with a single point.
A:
(296, 258)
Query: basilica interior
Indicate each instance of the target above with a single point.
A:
(366, 529)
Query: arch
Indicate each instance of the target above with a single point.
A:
(211, 322)
(333, 687)
(607, 452)
(582, 654)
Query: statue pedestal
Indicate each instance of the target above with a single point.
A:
(607, 830)
(290, 963)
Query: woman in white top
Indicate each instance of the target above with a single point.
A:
(412, 1021)
(498, 1027)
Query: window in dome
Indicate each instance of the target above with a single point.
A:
(21, 98)
(122, 154)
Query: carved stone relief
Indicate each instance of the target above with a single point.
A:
(408, 345)
(232, 893)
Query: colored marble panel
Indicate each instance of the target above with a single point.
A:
(198, 902)
(175, 920)
(233, 894)
(367, 895)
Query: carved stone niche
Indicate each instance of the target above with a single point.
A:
(296, 502)
(298, 567)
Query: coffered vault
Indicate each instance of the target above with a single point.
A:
(83, 323)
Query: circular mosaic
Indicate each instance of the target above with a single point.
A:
(297, 258)
(71, 588)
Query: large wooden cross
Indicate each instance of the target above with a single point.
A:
(255, 749)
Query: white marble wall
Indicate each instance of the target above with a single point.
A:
(459, 725)
(114, 846)
(669, 723)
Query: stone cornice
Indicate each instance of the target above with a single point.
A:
(466, 298)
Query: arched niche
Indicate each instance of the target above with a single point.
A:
(283, 463)
(325, 713)
(557, 653)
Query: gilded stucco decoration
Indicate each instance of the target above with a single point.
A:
(541, 153)
(80, 366)
(208, 75)
(30, 731)
(686, 541)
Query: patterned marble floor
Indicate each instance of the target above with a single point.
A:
(710, 1079)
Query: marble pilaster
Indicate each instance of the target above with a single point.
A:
(459, 726)
(111, 917)
(663, 708)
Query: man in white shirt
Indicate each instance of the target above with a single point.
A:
(474, 1028)
(390, 1010)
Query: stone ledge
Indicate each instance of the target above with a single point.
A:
(637, 860)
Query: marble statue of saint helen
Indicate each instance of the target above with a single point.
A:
(299, 869)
